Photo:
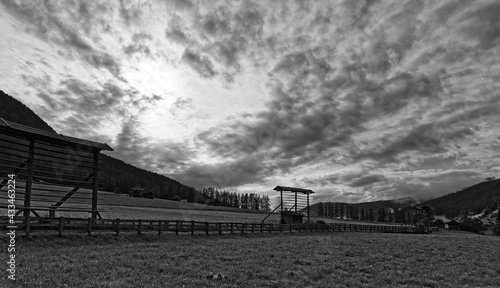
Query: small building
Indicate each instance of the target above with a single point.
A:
(438, 223)
(290, 217)
(140, 192)
(453, 225)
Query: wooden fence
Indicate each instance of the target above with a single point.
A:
(117, 226)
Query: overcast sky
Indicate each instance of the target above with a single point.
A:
(356, 100)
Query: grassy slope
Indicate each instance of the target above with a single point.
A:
(281, 260)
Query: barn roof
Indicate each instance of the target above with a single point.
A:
(16, 129)
(293, 189)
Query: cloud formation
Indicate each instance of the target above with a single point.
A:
(357, 100)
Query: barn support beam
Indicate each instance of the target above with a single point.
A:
(295, 201)
(307, 206)
(94, 184)
(29, 180)
(281, 197)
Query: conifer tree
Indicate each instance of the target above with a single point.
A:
(320, 209)
(336, 210)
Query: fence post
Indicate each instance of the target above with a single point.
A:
(27, 220)
(252, 227)
(159, 227)
(60, 226)
(220, 228)
(270, 227)
(290, 227)
(177, 227)
(261, 227)
(206, 228)
(192, 227)
(231, 227)
(139, 226)
(117, 226)
(89, 226)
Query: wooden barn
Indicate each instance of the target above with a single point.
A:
(293, 204)
(52, 172)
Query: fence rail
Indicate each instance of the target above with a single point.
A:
(88, 225)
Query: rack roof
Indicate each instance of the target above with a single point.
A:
(293, 189)
(16, 129)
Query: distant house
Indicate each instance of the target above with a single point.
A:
(453, 225)
(140, 192)
(438, 223)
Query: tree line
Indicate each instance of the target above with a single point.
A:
(348, 211)
(250, 201)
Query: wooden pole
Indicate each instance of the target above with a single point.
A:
(295, 201)
(117, 226)
(89, 226)
(139, 226)
(60, 226)
(159, 227)
(27, 189)
(206, 228)
(307, 206)
(94, 183)
(281, 199)
(192, 227)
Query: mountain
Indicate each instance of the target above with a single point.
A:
(476, 198)
(115, 173)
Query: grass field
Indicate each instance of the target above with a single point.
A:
(441, 259)
(121, 206)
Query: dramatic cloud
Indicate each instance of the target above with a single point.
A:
(357, 100)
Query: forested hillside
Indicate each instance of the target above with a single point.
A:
(15, 111)
(476, 198)
(115, 174)
(482, 197)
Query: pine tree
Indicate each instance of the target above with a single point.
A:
(336, 211)
(236, 203)
(251, 201)
(320, 209)
(371, 217)
(381, 215)
(390, 216)
(342, 210)
(363, 216)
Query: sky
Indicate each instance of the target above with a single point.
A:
(355, 100)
